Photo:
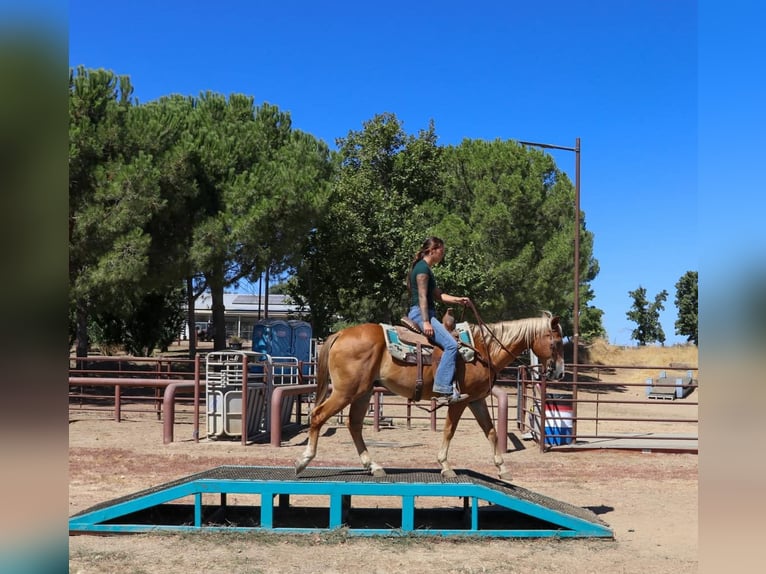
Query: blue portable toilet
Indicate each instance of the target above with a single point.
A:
(261, 342)
(281, 338)
(262, 337)
(281, 346)
(302, 343)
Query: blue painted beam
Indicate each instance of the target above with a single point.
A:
(339, 486)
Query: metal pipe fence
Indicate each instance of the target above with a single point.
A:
(582, 414)
(136, 383)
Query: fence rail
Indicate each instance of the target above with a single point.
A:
(582, 414)
(588, 410)
(135, 382)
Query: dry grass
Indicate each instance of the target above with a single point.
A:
(638, 363)
(600, 352)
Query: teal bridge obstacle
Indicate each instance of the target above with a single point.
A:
(198, 502)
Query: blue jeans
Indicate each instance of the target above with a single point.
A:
(445, 372)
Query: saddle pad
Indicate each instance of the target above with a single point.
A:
(465, 336)
(400, 349)
(405, 350)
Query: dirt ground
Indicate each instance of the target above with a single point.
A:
(649, 500)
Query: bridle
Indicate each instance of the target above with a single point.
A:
(484, 328)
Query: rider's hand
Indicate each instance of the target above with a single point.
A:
(428, 330)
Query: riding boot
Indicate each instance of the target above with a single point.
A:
(455, 397)
(450, 399)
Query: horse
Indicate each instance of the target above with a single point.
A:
(354, 358)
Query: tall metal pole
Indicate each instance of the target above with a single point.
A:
(576, 311)
(576, 302)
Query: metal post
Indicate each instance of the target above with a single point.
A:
(195, 428)
(576, 302)
(576, 317)
(376, 411)
(244, 400)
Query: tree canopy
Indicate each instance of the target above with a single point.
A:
(505, 212)
(208, 190)
(185, 194)
(687, 304)
(647, 316)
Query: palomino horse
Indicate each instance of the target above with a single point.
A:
(354, 358)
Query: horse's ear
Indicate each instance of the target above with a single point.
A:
(555, 320)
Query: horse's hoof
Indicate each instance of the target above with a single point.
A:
(506, 476)
(449, 474)
(378, 473)
(299, 467)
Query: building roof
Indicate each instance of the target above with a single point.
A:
(249, 304)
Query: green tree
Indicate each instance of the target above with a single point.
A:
(647, 316)
(110, 198)
(131, 192)
(151, 320)
(591, 323)
(506, 214)
(518, 214)
(355, 261)
(261, 185)
(203, 191)
(165, 130)
(687, 305)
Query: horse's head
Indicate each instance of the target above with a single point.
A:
(549, 348)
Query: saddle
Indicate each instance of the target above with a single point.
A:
(408, 344)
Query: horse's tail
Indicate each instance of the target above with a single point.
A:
(323, 369)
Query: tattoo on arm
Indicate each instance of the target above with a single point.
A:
(422, 280)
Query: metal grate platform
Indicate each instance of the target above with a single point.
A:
(490, 507)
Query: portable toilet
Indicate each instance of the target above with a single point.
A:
(302, 343)
(261, 342)
(281, 339)
(262, 337)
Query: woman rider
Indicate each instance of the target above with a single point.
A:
(423, 293)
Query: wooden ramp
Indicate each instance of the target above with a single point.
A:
(471, 504)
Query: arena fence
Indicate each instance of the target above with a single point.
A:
(584, 413)
(660, 413)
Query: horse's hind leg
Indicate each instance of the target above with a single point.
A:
(357, 412)
(481, 413)
(319, 416)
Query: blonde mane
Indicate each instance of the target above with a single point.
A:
(515, 331)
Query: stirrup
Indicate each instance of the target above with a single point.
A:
(450, 399)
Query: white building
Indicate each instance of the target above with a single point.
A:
(242, 312)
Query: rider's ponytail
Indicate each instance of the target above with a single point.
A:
(428, 245)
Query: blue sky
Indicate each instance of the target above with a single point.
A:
(620, 75)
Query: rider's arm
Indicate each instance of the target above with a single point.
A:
(447, 299)
(422, 281)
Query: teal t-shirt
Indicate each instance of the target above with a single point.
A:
(421, 267)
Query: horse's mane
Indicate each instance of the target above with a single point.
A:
(527, 330)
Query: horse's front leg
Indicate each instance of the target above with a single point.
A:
(481, 413)
(355, 423)
(450, 426)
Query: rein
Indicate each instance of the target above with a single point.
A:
(482, 328)
(490, 367)
(491, 374)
